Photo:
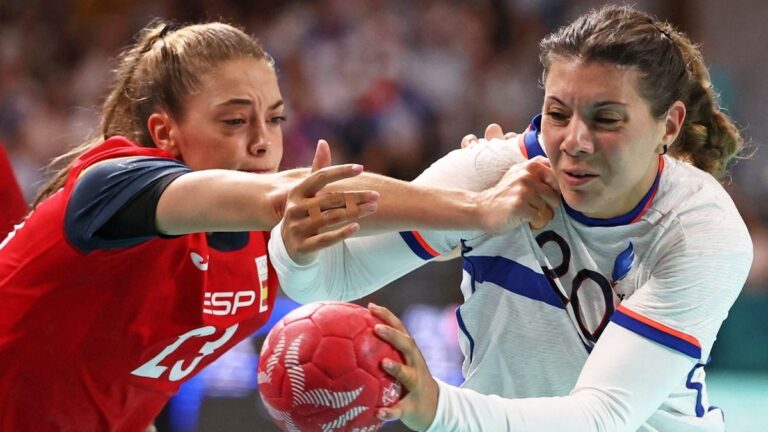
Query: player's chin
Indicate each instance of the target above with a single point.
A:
(578, 200)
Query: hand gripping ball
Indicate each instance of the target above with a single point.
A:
(320, 370)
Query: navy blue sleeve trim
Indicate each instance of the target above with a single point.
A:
(138, 217)
(104, 190)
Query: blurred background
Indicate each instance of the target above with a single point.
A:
(391, 84)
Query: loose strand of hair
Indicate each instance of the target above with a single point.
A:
(118, 99)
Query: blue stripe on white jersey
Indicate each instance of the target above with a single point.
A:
(511, 276)
(699, 387)
(418, 246)
(657, 332)
(463, 328)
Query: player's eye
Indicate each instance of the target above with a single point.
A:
(278, 119)
(557, 116)
(607, 120)
(234, 122)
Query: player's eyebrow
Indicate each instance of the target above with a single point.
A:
(599, 104)
(249, 102)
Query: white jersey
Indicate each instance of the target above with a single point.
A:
(536, 301)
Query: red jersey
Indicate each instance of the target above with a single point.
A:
(12, 204)
(100, 340)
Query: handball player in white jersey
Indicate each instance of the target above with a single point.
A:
(599, 311)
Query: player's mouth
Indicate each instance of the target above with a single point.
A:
(578, 177)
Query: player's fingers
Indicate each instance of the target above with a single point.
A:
(533, 197)
(333, 217)
(543, 191)
(493, 130)
(334, 208)
(542, 160)
(542, 218)
(322, 157)
(387, 316)
(394, 412)
(322, 177)
(404, 374)
(334, 200)
(327, 238)
(543, 170)
(510, 135)
(468, 140)
(404, 343)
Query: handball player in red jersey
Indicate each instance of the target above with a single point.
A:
(145, 259)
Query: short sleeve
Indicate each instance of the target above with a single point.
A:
(704, 263)
(105, 189)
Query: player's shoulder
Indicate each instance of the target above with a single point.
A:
(116, 147)
(685, 189)
(700, 206)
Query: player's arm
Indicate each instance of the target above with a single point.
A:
(354, 267)
(226, 200)
(124, 201)
(357, 266)
(624, 381)
(239, 201)
(652, 343)
(480, 188)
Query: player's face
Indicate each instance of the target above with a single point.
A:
(235, 119)
(600, 136)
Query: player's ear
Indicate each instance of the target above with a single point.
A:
(673, 123)
(162, 130)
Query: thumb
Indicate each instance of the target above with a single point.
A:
(493, 131)
(322, 155)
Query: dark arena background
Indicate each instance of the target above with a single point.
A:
(392, 85)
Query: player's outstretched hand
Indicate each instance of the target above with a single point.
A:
(314, 218)
(528, 192)
(418, 408)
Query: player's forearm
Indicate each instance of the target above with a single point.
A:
(347, 270)
(224, 200)
(615, 392)
(407, 206)
(473, 411)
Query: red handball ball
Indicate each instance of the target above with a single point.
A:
(320, 370)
